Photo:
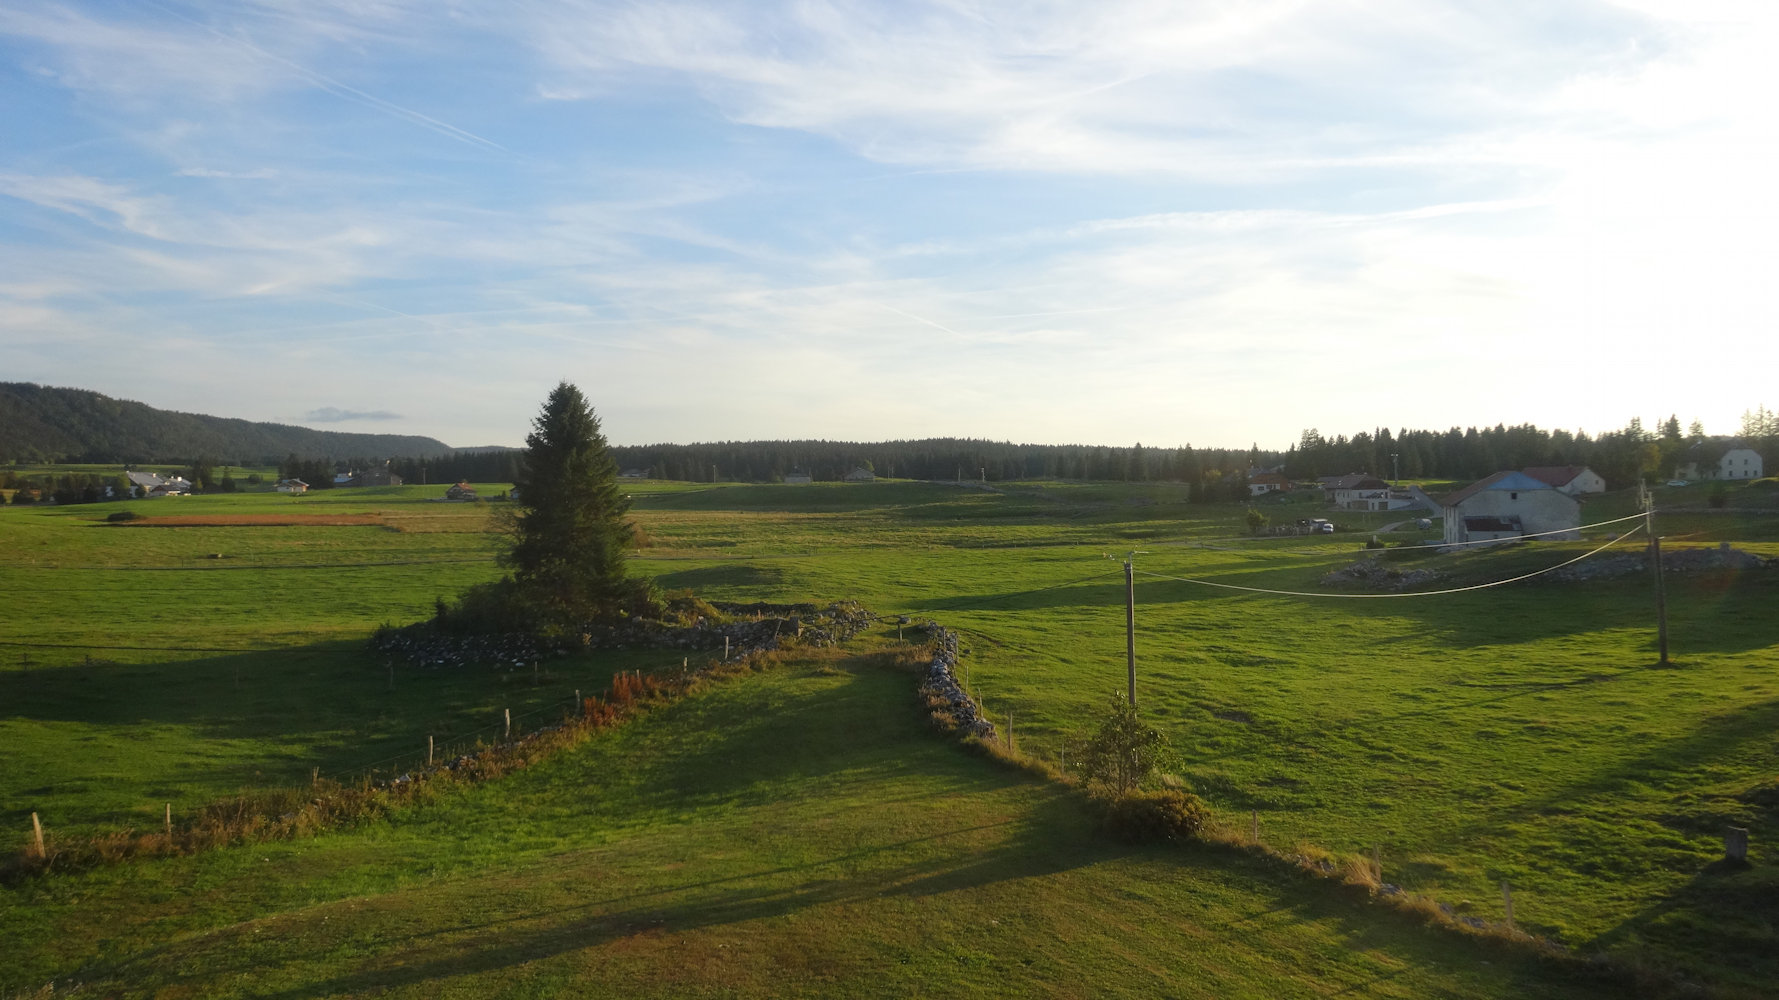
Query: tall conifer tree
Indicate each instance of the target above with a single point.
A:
(571, 535)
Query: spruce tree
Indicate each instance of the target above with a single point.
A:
(570, 531)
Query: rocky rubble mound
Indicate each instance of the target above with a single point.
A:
(769, 627)
(941, 687)
(1370, 574)
(1720, 559)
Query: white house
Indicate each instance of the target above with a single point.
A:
(1510, 505)
(291, 486)
(1571, 479)
(1266, 482)
(1739, 463)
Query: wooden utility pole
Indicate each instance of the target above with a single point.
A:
(1661, 589)
(1130, 625)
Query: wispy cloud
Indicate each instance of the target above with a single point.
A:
(335, 415)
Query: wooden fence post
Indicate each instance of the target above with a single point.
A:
(37, 830)
(429, 751)
(509, 717)
(1254, 829)
(1507, 900)
(169, 822)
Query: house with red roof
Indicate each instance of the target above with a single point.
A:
(1571, 479)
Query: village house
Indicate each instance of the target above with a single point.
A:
(291, 486)
(375, 477)
(860, 475)
(1739, 463)
(461, 491)
(1266, 482)
(1709, 460)
(1571, 479)
(798, 478)
(1510, 505)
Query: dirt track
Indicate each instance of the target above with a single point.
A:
(252, 520)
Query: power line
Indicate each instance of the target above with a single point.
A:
(1535, 534)
(1422, 593)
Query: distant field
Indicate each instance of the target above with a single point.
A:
(1516, 734)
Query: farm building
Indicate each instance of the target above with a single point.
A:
(1266, 482)
(860, 476)
(461, 491)
(1571, 479)
(1510, 505)
(1739, 463)
(797, 478)
(375, 477)
(291, 486)
(1719, 460)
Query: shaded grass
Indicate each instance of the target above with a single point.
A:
(794, 833)
(1515, 734)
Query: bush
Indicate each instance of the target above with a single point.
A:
(1142, 817)
(120, 516)
(1123, 752)
(1719, 497)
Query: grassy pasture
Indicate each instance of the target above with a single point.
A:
(792, 833)
(1514, 734)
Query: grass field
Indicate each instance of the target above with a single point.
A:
(1516, 734)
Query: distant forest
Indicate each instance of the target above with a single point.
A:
(71, 425)
(52, 425)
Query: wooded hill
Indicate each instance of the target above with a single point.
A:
(46, 424)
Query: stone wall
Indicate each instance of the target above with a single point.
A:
(941, 685)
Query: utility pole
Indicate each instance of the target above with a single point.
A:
(1661, 589)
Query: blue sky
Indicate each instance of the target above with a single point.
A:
(1110, 222)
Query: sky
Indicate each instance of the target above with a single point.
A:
(1205, 223)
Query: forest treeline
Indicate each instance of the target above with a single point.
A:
(81, 426)
(44, 424)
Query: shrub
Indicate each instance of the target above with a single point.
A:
(120, 516)
(1146, 816)
(1123, 752)
(1719, 496)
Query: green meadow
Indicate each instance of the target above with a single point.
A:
(802, 832)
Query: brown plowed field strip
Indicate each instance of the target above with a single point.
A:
(252, 520)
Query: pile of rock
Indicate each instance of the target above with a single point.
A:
(1720, 559)
(423, 644)
(942, 688)
(1371, 574)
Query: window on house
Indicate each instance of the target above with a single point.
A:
(1513, 496)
